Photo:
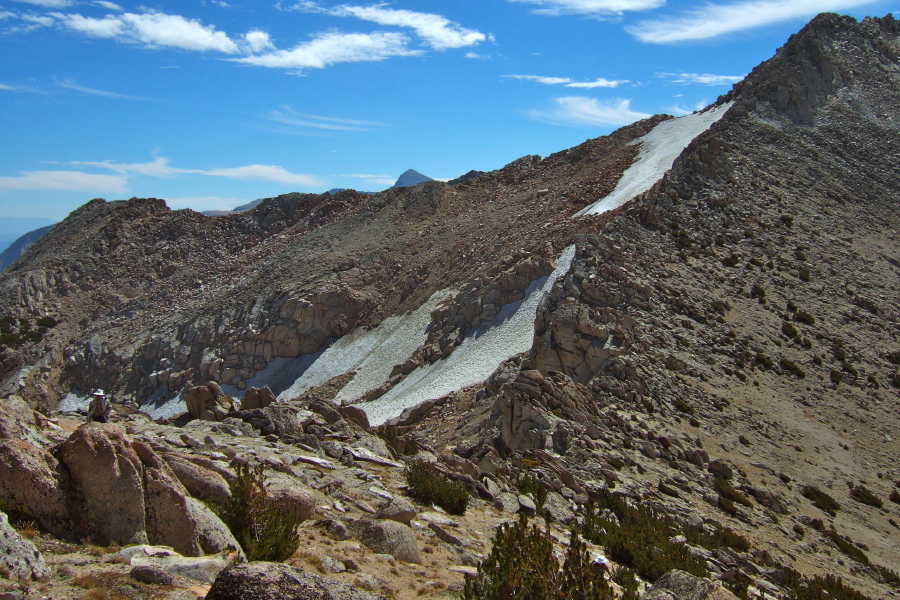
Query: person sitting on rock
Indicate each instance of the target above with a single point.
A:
(100, 408)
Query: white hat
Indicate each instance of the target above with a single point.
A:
(99, 393)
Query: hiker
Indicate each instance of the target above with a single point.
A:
(100, 408)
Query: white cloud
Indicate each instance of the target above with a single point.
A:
(597, 83)
(257, 41)
(437, 31)
(108, 5)
(680, 110)
(381, 179)
(713, 20)
(540, 79)
(71, 84)
(333, 47)
(71, 181)
(594, 8)
(476, 56)
(5, 14)
(287, 116)
(160, 168)
(154, 29)
(264, 173)
(568, 82)
(702, 78)
(581, 111)
(48, 3)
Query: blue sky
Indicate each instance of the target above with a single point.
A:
(211, 104)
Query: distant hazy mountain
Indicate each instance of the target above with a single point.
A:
(19, 246)
(241, 208)
(12, 228)
(411, 178)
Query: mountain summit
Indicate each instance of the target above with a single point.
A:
(411, 178)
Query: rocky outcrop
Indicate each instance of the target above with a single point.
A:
(275, 581)
(201, 483)
(18, 556)
(207, 402)
(386, 537)
(257, 398)
(678, 585)
(122, 491)
(33, 483)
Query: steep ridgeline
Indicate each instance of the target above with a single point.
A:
(149, 299)
(736, 323)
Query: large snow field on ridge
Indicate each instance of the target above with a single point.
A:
(477, 357)
(659, 149)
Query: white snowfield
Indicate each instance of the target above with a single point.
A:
(372, 354)
(659, 149)
(479, 354)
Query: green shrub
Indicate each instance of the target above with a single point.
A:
(846, 545)
(758, 291)
(530, 486)
(863, 494)
(789, 330)
(820, 499)
(789, 365)
(828, 587)
(641, 539)
(836, 377)
(429, 486)
(764, 360)
(895, 496)
(683, 406)
(522, 565)
(804, 317)
(47, 322)
(730, 261)
(263, 531)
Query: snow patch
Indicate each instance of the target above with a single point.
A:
(659, 149)
(476, 358)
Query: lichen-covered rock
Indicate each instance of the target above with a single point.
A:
(275, 581)
(18, 555)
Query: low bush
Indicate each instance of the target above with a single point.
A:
(820, 499)
(846, 545)
(861, 493)
(804, 317)
(263, 531)
(428, 485)
(529, 485)
(639, 538)
(789, 365)
(522, 564)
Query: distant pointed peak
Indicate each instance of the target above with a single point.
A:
(411, 177)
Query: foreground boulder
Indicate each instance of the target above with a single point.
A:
(257, 398)
(386, 537)
(122, 491)
(33, 482)
(275, 581)
(18, 556)
(679, 585)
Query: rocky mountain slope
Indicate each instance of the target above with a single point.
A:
(723, 346)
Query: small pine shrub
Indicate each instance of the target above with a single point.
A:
(821, 500)
(836, 377)
(804, 317)
(730, 261)
(530, 486)
(895, 496)
(639, 538)
(758, 291)
(789, 330)
(863, 494)
(428, 485)
(263, 531)
(828, 587)
(763, 359)
(846, 545)
(683, 406)
(522, 565)
(789, 365)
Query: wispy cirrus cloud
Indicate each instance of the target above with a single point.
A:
(702, 78)
(579, 111)
(21, 89)
(435, 30)
(70, 84)
(679, 110)
(160, 167)
(382, 179)
(330, 48)
(48, 3)
(287, 116)
(71, 181)
(107, 5)
(591, 8)
(569, 82)
(713, 19)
